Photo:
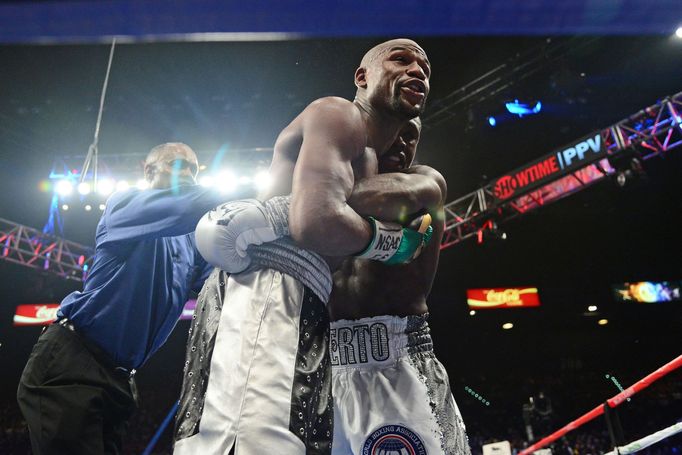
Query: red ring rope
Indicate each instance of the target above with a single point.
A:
(613, 402)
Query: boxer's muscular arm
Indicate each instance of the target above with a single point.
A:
(395, 196)
(319, 218)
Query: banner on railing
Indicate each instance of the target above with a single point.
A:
(550, 167)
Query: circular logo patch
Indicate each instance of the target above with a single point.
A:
(393, 440)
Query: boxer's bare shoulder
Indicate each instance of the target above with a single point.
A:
(327, 125)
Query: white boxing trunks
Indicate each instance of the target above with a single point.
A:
(391, 394)
(257, 375)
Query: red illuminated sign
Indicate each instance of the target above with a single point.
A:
(45, 313)
(36, 314)
(575, 156)
(480, 299)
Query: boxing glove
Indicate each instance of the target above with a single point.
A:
(394, 244)
(224, 233)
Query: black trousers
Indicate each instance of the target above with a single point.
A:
(73, 402)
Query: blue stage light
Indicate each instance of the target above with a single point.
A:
(522, 109)
(492, 121)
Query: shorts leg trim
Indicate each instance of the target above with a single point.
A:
(312, 408)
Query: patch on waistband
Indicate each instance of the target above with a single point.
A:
(391, 439)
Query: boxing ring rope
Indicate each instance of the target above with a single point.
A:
(612, 402)
(646, 441)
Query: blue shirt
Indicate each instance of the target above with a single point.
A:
(145, 265)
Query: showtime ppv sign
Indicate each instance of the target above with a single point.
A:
(550, 167)
(480, 299)
(45, 313)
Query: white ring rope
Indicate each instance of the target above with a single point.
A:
(646, 441)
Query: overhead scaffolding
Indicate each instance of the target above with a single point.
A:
(649, 133)
(30, 247)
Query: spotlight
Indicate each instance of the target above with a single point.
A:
(678, 32)
(262, 180)
(492, 121)
(227, 182)
(105, 187)
(631, 172)
(63, 188)
(122, 185)
(507, 325)
(603, 321)
(88, 207)
(521, 109)
(102, 207)
(592, 308)
(65, 207)
(84, 188)
(206, 181)
(142, 184)
(472, 312)
(628, 169)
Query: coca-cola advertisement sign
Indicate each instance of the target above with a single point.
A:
(479, 299)
(45, 313)
(36, 314)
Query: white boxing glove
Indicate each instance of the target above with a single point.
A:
(223, 234)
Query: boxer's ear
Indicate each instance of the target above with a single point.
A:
(361, 77)
(149, 169)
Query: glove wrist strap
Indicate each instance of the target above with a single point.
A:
(385, 241)
(277, 211)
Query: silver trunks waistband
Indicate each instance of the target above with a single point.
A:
(378, 341)
(307, 267)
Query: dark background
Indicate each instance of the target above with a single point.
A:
(240, 95)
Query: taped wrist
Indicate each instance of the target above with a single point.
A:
(277, 211)
(386, 240)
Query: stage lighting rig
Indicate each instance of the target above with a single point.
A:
(491, 232)
(512, 109)
(628, 168)
(520, 108)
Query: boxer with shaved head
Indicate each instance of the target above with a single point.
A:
(258, 372)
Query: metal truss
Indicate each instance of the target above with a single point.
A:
(649, 133)
(490, 85)
(27, 246)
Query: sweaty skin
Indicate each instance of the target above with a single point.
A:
(333, 143)
(365, 288)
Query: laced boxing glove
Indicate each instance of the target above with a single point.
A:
(394, 244)
(224, 233)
